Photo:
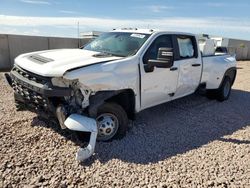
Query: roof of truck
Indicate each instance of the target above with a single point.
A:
(135, 30)
(150, 31)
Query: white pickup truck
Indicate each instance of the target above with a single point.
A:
(98, 88)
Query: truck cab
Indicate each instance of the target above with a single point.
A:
(179, 78)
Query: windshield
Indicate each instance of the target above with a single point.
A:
(118, 43)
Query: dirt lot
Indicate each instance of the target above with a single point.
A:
(191, 142)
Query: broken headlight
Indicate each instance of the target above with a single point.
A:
(60, 82)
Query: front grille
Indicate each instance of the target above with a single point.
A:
(31, 97)
(36, 91)
(31, 76)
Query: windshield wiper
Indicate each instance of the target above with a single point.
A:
(106, 54)
(101, 54)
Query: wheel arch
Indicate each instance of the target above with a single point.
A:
(231, 73)
(125, 98)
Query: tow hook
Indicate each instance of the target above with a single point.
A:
(78, 122)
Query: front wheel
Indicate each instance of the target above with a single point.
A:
(112, 122)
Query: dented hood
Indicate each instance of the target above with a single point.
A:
(54, 63)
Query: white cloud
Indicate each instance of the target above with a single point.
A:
(163, 23)
(158, 8)
(210, 25)
(68, 12)
(18, 30)
(216, 4)
(36, 2)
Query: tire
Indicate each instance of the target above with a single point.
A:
(112, 122)
(224, 91)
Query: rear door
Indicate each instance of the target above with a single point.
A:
(158, 85)
(190, 65)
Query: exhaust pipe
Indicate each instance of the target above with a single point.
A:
(78, 122)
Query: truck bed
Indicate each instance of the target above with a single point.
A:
(214, 67)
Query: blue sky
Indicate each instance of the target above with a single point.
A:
(60, 17)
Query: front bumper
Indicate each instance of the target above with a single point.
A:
(35, 93)
(81, 123)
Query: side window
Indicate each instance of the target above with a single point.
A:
(161, 41)
(186, 47)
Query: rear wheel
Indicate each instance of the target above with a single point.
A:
(223, 92)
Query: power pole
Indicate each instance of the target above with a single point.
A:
(78, 34)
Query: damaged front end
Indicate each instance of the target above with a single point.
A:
(64, 100)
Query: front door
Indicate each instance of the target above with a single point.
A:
(157, 86)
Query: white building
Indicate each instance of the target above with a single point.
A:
(90, 34)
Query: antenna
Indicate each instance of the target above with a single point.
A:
(78, 34)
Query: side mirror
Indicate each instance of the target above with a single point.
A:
(165, 58)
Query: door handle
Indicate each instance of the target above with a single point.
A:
(173, 68)
(196, 65)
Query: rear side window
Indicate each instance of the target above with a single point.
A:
(160, 42)
(186, 47)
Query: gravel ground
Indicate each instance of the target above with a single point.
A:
(191, 142)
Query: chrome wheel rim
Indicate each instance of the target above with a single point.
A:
(226, 89)
(107, 126)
